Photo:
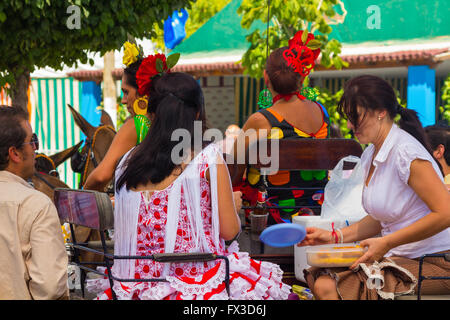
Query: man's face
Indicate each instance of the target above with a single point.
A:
(27, 152)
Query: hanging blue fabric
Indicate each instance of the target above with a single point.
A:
(174, 31)
(91, 98)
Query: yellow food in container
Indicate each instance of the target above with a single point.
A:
(333, 255)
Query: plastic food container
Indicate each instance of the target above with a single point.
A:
(334, 255)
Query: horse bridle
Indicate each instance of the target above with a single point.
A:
(91, 156)
(90, 143)
(38, 175)
(52, 172)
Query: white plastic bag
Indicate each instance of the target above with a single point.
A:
(343, 193)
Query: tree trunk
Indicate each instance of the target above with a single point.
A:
(109, 87)
(19, 91)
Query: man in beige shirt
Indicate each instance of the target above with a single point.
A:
(33, 258)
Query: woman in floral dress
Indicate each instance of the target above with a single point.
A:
(164, 205)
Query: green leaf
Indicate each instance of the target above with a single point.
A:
(314, 44)
(172, 60)
(159, 65)
(304, 36)
(85, 12)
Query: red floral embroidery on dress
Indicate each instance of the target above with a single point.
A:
(151, 232)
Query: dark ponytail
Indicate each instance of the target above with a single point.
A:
(176, 99)
(409, 121)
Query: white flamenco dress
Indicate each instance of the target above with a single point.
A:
(183, 217)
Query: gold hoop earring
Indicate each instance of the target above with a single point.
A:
(140, 106)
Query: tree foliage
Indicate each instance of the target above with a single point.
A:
(287, 17)
(330, 101)
(42, 33)
(444, 109)
(200, 12)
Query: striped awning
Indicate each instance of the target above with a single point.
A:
(5, 100)
(52, 121)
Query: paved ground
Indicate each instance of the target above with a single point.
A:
(76, 295)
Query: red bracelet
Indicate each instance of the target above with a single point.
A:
(333, 233)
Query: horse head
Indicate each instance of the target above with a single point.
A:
(46, 183)
(46, 177)
(98, 140)
(48, 164)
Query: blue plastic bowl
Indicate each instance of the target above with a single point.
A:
(283, 235)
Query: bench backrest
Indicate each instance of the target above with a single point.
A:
(311, 154)
(85, 208)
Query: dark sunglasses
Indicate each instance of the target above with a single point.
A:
(34, 141)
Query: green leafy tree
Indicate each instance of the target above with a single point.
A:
(122, 113)
(286, 18)
(200, 12)
(49, 33)
(330, 102)
(444, 110)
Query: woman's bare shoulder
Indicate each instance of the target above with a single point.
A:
(257, 121)
(127, 126)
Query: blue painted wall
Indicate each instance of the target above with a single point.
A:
(422, 93)
(91, 96)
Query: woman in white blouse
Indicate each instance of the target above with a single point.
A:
(405, 198)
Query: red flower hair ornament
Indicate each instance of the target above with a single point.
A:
(302, 52)
(150, 67)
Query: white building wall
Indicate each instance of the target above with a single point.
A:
(219, 101)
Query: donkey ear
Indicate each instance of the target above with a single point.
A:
(106, 119)
(62, 156)
(82, 123)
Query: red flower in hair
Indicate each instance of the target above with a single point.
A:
(299, 56)
(297, 41)
(147, 71)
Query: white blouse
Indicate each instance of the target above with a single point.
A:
(389, 199)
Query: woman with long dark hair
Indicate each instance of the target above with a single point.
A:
(137, 87)
(165, 205)
(405, 198)
(136, 83)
